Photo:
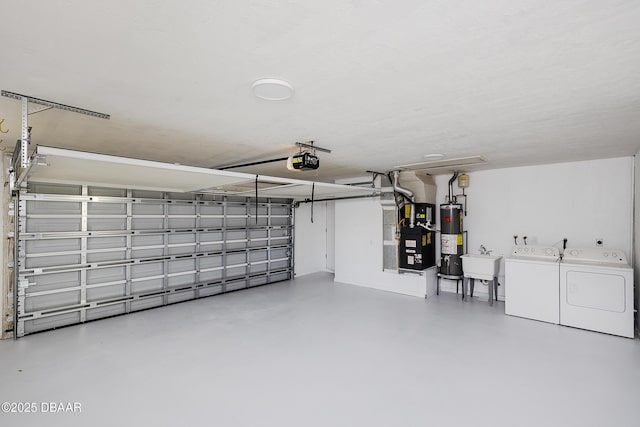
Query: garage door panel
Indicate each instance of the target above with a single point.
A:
(236, 271)
(152, 240)
(236, 285)
(147, 269)
(97, 243)
(50, 322)
(211, 276)
(181, 223)
(105, 275)
(106, 311)
(147, 253)
(148, 224)
(118, 255)
(148, 209)
(210, 290)
(211, 222)
(105, 292)
(59, 225)
(35, 207)
(258, 281)
(210, 262)
(211, 209)
(277, 265)
(47, 282)
(106, 224)
(144, 304)
(278, 277)
(182, 249)
(236, 222)
(177, 266)
(258, 268)
(106, 192)
(65, 298)
(52, 260)
(181, 296)
(182, 209)
(185, 279)
(40, 246)
(175, 239)
(113, 251)
(147, 286)
(107, 209)
(50, 188)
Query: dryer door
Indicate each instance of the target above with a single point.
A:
(597, 299)
(596, 290)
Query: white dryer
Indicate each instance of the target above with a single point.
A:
(596, 291)
(531, 283)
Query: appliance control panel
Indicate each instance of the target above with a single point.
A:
(609, 256)
(542, 252)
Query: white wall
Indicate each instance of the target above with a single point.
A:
(358, 251)
(331, 234)
(636, 235)
(581, 201)
(310, 249)
(3, 209)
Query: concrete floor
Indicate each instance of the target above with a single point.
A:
(315, 353)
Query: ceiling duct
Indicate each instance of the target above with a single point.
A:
(420, 184)
(443, 166)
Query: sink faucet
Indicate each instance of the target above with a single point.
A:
(484, 251)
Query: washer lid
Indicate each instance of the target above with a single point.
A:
(598, 256)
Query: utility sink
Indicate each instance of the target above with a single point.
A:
(482, 267)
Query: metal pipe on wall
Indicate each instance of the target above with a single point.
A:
(408, 194)
(453, 178)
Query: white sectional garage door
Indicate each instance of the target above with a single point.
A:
(87, 253)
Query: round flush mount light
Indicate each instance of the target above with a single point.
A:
(433, 156)
(272, 89)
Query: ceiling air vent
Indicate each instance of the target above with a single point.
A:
(444, 165)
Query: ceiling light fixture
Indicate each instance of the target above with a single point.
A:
(433, 156)
(272, 89)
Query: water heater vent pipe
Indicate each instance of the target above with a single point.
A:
(408, 194)
(453, 178)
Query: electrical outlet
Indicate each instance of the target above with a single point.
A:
(599, 242)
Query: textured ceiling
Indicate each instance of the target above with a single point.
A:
(381, 83)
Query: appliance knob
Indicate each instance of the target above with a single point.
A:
(614, 254)
(573, 252)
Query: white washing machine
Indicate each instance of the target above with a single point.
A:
(596, 291)
(532, 284)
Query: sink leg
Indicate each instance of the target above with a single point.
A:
(473, 285)
(490, 293)
(495, 288)
(463, 287)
